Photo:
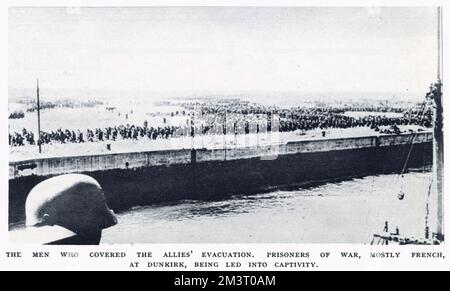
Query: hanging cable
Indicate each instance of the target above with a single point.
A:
(401, 194)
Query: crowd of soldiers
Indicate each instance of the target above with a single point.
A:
(308, 119)
(233, 117)
(122, 132)
(237, 106)
(372, 108)
(16, 115)
(22, 138)
(65, 103)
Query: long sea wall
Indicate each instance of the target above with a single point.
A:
(135, 160)
(131, 179)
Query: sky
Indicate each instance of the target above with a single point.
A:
(219, 49)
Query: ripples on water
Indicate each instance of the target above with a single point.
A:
(345, 212)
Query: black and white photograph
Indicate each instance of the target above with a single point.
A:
(225, 125)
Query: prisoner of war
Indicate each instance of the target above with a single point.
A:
(75, 202)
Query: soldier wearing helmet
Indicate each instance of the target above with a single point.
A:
(68, 209)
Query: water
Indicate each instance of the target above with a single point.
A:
(345, 212)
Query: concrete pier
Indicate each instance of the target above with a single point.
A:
(142, 178)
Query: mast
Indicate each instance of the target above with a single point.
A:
(39, 116)
(438, 134)
(434, 94)
(439, 42)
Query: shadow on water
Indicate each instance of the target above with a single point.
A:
(236, 204)
(192, 209)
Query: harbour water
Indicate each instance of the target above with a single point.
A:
(343, 212)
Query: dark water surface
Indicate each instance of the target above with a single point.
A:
(345, 212)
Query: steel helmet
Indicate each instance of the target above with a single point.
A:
(73, 201)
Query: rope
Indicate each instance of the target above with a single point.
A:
(409, 154)
(412, 144)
